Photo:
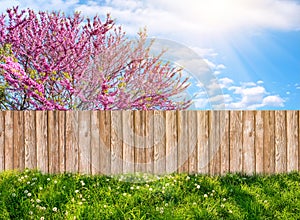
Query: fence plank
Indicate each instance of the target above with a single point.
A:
(183, 150)
(140, 141)
(149, 141)
(41, 141)
(248, 143)
(269, 142)
(105, 147)
(292, 141)
(236, 141)
(30, 139)
(84, 123)
(259, 142)
(19, 150)
(192, 141)
(95, 142)
(116, 142)
(128, 142)
(160, 140)
(61, 141)
(280, 141)
(72, 141)
(224, 141)
(203, 142)
(2, 135)
(155, 141)
(53, 141)
(8, 140)
(214, 142)
(171, 141)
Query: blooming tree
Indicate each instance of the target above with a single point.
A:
(50, 61)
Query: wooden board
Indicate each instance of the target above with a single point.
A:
(149, 139)
(292, 141)
(61, 141)
(183, 150)
(203, 142)
(269, 142)
(160, 142)
(53, 141)
(214, 143)
(2, 135)
(248, 142)
(280, 142)
(72, 148)
(9, 140)
(30, 139)
(171, 141)
(128, 142)
(105, 139)
(224, 141)
(259, 142)
(19, 150)
(95, 142)
(192, 141)
(116, 142)
(84, 138)
(236, 141)
(42, 141)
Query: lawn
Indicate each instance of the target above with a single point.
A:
(33, 195)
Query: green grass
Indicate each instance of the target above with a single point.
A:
(33, 195)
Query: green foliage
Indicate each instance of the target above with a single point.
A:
(33, 195)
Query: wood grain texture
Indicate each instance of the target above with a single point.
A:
(159, 142)
(149, 147)
(116, 142)
(105, 140)
(224, 141)
(203, 142)
(292, 141)
(2, 135)
(269, 141)
(259, 142)
(42, 141)
(140, 141)
(53, 142)
(214, 143)
(192, 141)
(9, 140)
(171, 141)
(128, 142)
(280, 142)
(30, 139)
(84, 140)
(248, 142)
(72, 145)
(61, 141)
(19, 150)
(95, 142)
(183, 150)
(236, 141)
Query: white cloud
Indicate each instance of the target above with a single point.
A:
(273, 101)
(260, 82)
(47, 5)
(198, 18)
(246, 95)
(220, 67)
(225, 82)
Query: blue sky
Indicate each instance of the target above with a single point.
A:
(251, 47)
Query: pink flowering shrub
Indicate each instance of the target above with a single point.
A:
(50, 61)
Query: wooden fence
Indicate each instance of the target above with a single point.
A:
(159, 142)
